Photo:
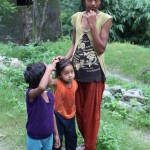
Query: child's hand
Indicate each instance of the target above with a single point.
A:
(53, 65)
(58, 58)
(57, 141)
(55, 60)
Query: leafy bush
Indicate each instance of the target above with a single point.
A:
(14, 76)
(66, 23)
(116, 8)
(107, 140)
(6, 8)
(72, 7)
(131, 20)
(138, 22)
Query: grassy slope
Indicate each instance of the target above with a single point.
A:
(12, 117)
(130, 60)
(13, 114)
(129, 138)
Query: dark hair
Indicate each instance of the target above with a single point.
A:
(83, 4)
(61, 65)
(34, 73)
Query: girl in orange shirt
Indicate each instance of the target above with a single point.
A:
(64, 92)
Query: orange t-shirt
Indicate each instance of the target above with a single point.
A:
(65, 99)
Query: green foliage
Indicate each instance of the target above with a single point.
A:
(131, 20)
(13, 115)
(66, 23)
(12, 93)
(30, 53)
(136, 115)
(80, 140)
(129, 60)
(16, 51)
(6, 8)
(14, 76)
(72, 7)
(17, 105)
(127, 136)
(138, 22)
(116, 8)
(107, 140)
(142, 117)
(112, 136)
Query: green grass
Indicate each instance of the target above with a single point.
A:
(129, 60)
(12, 116)
(128, 137)
(124, 58)
(43, 52)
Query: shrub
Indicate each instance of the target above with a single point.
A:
(131, 20)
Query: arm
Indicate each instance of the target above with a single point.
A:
(56, 135)
(70, 52)
(33, 93)
(53, 82)
(99, 41)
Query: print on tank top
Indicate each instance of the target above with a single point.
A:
(86, 64)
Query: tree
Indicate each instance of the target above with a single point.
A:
(39, 23)
(42, 11)
(50, 12)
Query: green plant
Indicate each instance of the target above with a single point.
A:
(14, 76)
(72, 7)
(6, 9)
(79, 136)
(118, 124)
(131, 20)
(126, 54)
(107, 140)
(128, 136)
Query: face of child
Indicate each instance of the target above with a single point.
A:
(67, 74)
(92, 5)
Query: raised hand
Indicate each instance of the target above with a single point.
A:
(91, 18)
(58, 58)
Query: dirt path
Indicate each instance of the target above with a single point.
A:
(119, 76)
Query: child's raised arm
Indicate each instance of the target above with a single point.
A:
(33, 93)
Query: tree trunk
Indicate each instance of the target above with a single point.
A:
(46, 18)
(27, 24)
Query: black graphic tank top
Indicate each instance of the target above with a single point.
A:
(86, 64)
